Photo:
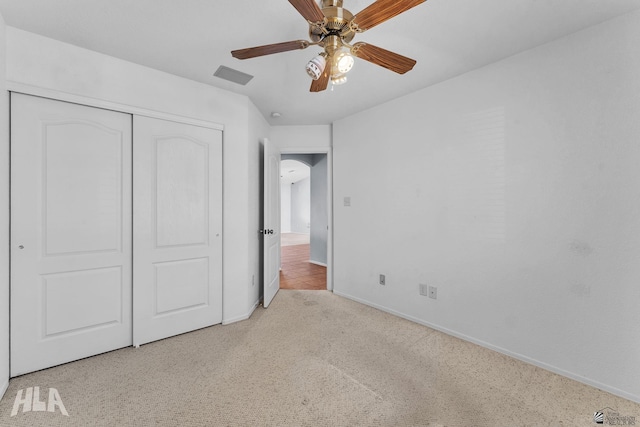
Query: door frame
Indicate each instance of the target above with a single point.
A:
(329, 152)
(58, 95)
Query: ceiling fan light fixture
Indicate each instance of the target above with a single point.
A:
(339, 79)
(315, 67)
(344, 61)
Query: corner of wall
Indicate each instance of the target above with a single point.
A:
(4, 215)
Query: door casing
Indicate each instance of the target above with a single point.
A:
(328, 152)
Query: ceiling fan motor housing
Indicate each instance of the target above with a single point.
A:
(337, 21)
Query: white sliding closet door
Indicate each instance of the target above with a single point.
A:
(177, 228)
(70, 232)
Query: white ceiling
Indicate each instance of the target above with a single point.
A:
(192, 38)
(293, 171)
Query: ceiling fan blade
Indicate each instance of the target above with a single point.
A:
(382, 57)
(309, 9)
(322, 83)
(252, 52)
(381, 11)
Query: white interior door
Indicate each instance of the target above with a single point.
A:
(70, 232)
(271, 232)
(177, 194)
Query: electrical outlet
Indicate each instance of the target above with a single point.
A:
(253, 280)
(424, 290)
(433, 292)
(382, 279)
(347, 201)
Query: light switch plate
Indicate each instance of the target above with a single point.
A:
(424, 290)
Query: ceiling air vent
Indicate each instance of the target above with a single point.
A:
(233, 75)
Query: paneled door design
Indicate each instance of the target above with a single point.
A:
(177, 228)
(271, 215)
(70, 232)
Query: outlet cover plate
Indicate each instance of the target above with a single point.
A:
(433, 292)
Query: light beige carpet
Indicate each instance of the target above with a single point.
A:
(311, 359)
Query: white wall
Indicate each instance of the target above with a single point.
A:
(47, 64)
(4, 216)
(513, 189)
(319, 210)
(300, 206)
(296, 137)
(285, 207)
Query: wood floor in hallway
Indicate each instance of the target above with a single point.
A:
(298, 273)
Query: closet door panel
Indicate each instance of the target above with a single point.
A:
(177, 228)
(71, 251)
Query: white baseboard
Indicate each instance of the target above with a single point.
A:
(321, 264)
(242, 317)
(3, 388)
(545, 366)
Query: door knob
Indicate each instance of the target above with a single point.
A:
(20, 247)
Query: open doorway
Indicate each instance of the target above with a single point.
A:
(304, 221)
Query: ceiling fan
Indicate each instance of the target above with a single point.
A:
(333, 28)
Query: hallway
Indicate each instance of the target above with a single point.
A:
(298, 273)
